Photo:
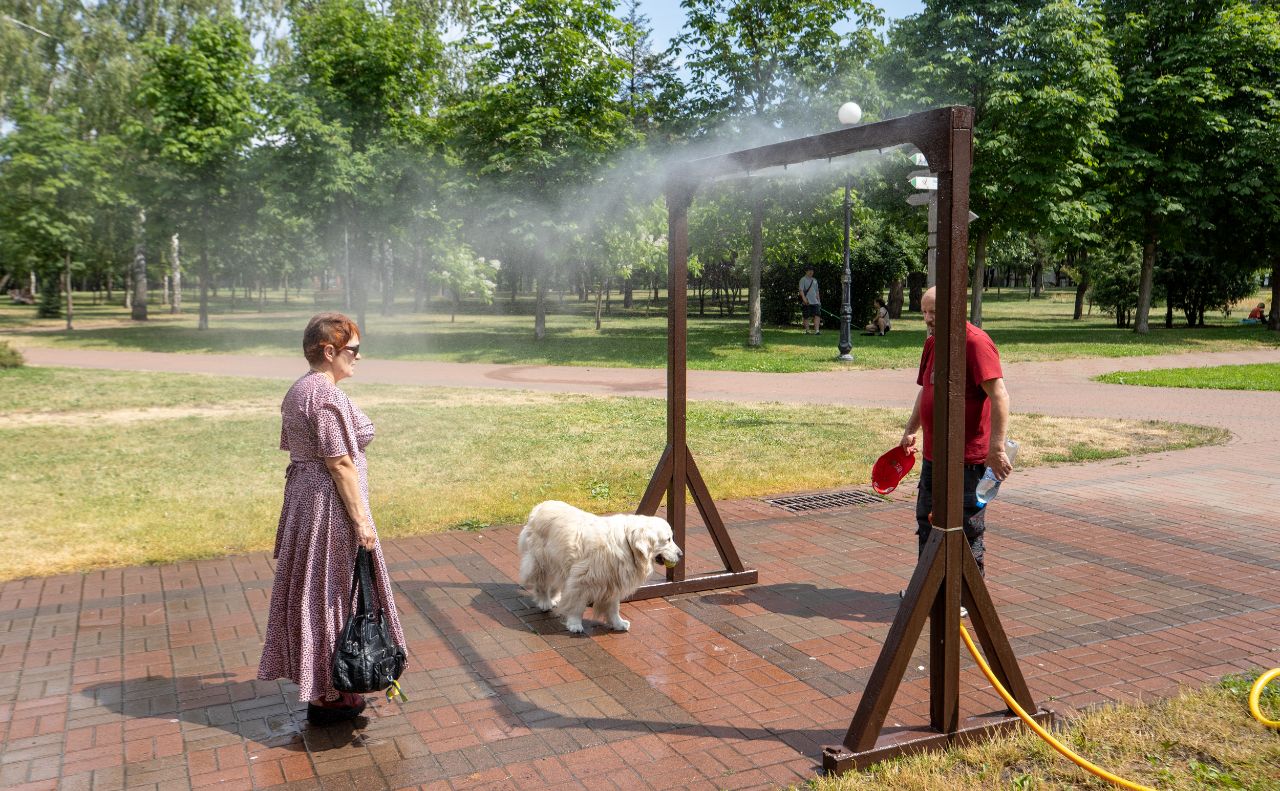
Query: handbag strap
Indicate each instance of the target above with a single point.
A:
(362, 581)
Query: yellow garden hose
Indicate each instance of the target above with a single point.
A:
(1048, 737)
(1255, 698)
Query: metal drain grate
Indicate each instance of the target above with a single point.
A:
(825, 502)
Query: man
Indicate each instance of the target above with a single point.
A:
(986, 413)
(810, 302)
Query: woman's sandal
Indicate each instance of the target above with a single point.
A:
(346, 707)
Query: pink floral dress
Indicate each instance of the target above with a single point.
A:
(315, 541)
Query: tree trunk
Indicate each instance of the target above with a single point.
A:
(540, 306)
(1081, 289)
(755, 336)
(1274, 322)
(139, 312)
(66, 257)
(202, 323)
(1168, 314)
(599, 297)
(128, 288)
(360, 269)
(979, 271)
(628, 298)
(895, 299)
(388, 277)
(1037, 277)
(1140, 325)
(346, 266)
(915, 289)
(175, 305)
(608, 298)
(420, 283)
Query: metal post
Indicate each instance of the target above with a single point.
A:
(846, 306)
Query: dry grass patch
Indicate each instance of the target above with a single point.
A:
(1049, 440)
(1200, 739)
(115, 468)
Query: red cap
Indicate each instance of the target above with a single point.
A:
(891, 468)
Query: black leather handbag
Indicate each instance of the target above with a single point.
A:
(365, 659)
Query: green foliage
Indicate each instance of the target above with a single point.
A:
(877, 256)
(777, 62)
(1115, 282)
(9, 356)
(1040, 80)
(53, 184)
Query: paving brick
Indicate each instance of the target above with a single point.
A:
(1108, 578)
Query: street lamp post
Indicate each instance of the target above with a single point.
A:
(850, 113)
(846, 280)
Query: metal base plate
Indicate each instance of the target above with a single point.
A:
(700, 582)
(895, 742)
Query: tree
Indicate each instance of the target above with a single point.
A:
(1192, 124)
(352, 111)
(199, 95)
(52, 185)
(539, 116)
(764, 64)
(1039, 78)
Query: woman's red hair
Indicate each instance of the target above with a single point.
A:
(326, 329)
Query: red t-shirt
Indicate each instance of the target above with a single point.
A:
(983, 363)
(1256, 313)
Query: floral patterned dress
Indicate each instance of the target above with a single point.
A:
(315, 541)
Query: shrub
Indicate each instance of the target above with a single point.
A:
(9, 356)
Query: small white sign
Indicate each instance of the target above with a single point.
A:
(919, 160)
(924, 182)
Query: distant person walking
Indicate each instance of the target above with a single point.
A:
(810, 302)
(986, 414)
(324, 520)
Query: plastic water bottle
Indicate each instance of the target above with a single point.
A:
(989, 485)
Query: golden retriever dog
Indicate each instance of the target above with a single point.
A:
(571, 559)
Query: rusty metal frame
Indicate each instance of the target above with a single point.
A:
(946, 574)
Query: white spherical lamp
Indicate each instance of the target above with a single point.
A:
(850, 113)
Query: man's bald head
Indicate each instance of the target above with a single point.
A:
(928, 306)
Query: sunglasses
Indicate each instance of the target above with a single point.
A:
(355, 350)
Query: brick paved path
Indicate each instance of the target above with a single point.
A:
(1115, 580)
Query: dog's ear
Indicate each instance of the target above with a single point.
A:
(643, 541)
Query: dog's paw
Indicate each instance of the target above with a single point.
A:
(620, 625)
(574, 625)
(545, 605)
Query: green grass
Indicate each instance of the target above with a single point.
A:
(1039, 329)
(1261, 376)
(1200, 739)
(116, 468)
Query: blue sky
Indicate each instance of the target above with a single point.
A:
(667, 16)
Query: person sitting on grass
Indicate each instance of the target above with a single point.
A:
(1257, 315)
(881, 323)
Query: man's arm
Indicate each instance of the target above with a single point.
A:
(997, 459)
(913, 425)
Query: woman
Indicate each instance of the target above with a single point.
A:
(324, 520)
(880, 324)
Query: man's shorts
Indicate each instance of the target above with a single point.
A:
(811, 311)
